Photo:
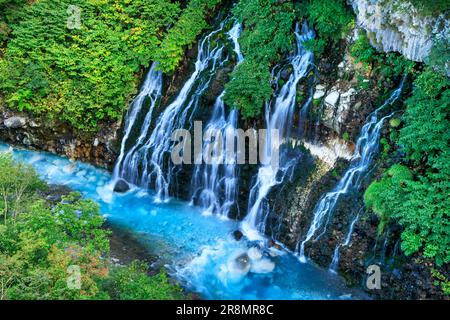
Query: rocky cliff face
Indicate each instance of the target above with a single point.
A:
(395, 25)
(22, 130)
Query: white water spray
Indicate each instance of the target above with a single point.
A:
(366, 148)
(215, 184)
(280, 118)
(151, 89)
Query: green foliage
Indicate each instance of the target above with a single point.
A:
(418, 197)
(316, 45)
(249, 89)
(346, 136)
(395, 122)
(132, 282)
(40, 243)
(331, 18)
(87, 75)
(362, 50)
(441, 280)
(18, 184)
(267, 36)
(184, 33)
(439, 56)
(427, 7)
(387, 66)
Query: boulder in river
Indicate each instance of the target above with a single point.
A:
(242, 262)
(121, 186)
(237, 235)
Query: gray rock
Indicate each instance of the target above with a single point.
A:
(242, 262)
(319, 92)
(121, 186)
(15, 122)
(237, 234)
(332, 98)
(399, 26)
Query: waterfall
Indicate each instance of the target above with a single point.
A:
(335, 260)
(151, 89)
(215, 184)
(147, 164)
(366, 148)
(271, 174)
(234, 35)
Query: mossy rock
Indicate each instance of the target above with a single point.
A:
(394, 122)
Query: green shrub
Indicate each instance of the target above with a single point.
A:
(184, 33)
(39, 244)
(439, 56)
(18, 184)
(316, 45)
(346, 136)
(418, 197)
(249, 89)
(395, 122)
(267, 36)
(132, 283)
(362, 50)
(331, 18)
(81, 76)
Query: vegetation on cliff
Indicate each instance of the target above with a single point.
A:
(415, 192)
(267, 37)
(78, 63)
(42, 245)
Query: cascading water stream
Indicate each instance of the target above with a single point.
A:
(215, 184)
(151, 89)
(147, 163)
(335, 261)
(366, 148)
(272, 173)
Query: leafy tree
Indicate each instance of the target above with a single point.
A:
(18, 183)
(184, 33)
(81, 76)
(132, 282)
(39, 242)
(332, 20)
(418, 197)
(267, 36)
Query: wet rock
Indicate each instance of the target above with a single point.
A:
(121, 186)
(15, 122)
(319, 92)
(242, 262)
(285, 74)
(332, 98)
(399, 26)
(237, 235)
(273, 244)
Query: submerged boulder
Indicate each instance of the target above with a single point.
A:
(121, 186)
(242, 262)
